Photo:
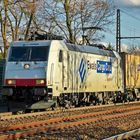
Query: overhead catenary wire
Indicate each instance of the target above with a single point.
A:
(134, 17)
(130, 24)
(124, 32)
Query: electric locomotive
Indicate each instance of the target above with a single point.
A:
(53, 72)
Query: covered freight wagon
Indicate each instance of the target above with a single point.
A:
(131, 75)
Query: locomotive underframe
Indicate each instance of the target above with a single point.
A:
(42, 98)
(29, 95)
(22, 98)
(96, 98)
(86, 99)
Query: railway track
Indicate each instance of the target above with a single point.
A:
(8, 115)
(64, 122)
(22, 118)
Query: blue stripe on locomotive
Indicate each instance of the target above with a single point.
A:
(82, 70)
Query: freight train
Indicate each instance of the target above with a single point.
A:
(48, 73)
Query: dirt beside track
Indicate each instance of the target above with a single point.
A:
(95, 131)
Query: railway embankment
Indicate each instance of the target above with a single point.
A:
(94, 122)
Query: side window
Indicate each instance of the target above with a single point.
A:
(60, 56)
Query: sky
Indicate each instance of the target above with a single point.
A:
(130, 23)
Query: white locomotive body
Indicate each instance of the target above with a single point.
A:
(63, 72)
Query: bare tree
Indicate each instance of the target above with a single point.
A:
(69, 17)
(15, 20)
(3, 20)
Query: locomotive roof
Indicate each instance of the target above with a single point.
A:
(89, 49)
(30, 43)
(71, 47)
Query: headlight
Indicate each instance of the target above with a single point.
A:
(40, 82)
(26, 66)
(11, 82)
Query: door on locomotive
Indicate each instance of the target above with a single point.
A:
(65, 70)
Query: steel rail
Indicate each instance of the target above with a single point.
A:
(125, 135)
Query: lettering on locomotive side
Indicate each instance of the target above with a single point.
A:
(91, 65)
(100, 66)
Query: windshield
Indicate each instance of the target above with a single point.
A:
(28, 53)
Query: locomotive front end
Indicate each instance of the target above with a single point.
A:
(25, 71)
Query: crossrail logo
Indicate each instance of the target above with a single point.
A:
(82, 69)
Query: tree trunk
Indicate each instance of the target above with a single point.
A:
(68, 21)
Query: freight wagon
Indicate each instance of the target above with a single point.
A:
(131, 72)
